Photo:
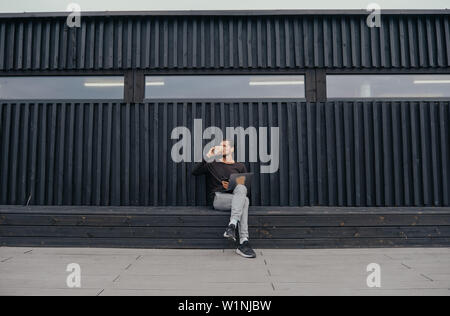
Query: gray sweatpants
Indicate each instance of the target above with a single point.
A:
(238, 203)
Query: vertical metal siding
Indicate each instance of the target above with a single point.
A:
(383, 153)
(280, 42)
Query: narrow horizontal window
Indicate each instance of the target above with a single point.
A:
(388, 86)
(224, 87)
(61, 88)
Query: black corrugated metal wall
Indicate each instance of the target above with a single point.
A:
(390, 153)
(279, 42)
(335, 153)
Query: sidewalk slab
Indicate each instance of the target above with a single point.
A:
(108, 272)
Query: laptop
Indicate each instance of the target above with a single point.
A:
(235, 177)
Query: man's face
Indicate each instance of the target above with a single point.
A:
(227, 148)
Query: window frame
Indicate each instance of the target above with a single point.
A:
(227, 72)
(125, 75)
(381, 72)
(225, 98)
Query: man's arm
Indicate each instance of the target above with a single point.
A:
(202, 167)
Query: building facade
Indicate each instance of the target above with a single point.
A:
(363, 113)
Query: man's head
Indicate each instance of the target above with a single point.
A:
(227, 147)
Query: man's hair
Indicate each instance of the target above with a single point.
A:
(231, 142)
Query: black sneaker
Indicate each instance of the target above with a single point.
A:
(230, 233)
(246, 251)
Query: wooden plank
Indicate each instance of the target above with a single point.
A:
(340, 153)
(106, 170)
(312, 154)
(436, 166)
(378, 157)
(358, 154)
(33, 155)
(14, 154)
(116, 143)
(59, 166)
(51, 154)
(24, 148)
(387, 149)
(406, 153)
(222, 220)
(331, 154)
(396, 155)
(4, 155)
(322, 189)
(425, 139)
(42, 156)
(302, 162)
(88, 157)
(416, 157)
(369, 154)
(216, 232)
(97, 160)
(80, 127)
(348, 232)
(284, 161)
(223, 244)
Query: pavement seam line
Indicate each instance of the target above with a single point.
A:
(428, 278)
(269, 274)
(406, 266)
(7, 259)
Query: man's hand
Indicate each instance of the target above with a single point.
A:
(226, 185)
(240, 180)
(214, 151)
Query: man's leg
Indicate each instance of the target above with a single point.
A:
(234, 202)
(223, 202)
(238, 204)
(243, 223)
(244, 249)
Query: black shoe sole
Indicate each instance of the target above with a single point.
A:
(244, 255)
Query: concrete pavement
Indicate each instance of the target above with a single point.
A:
(42, 271)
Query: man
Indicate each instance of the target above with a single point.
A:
(218, 174)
